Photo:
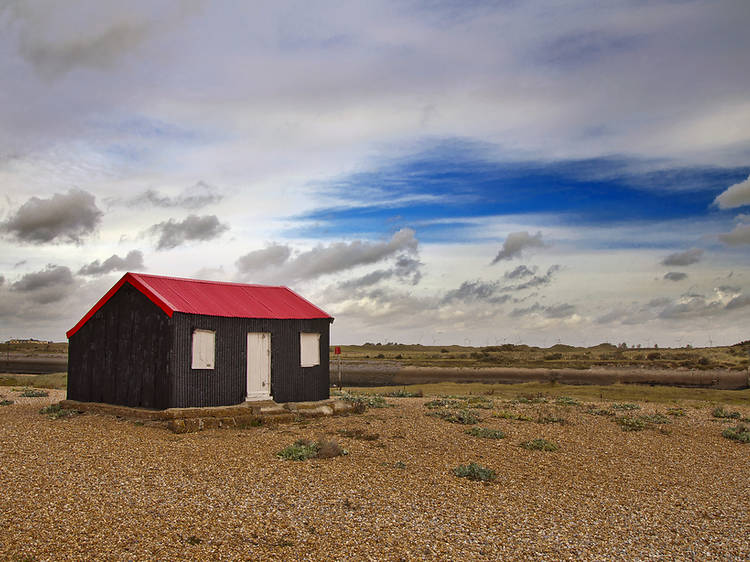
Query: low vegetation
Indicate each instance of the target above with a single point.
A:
(304, 449)
(539, 445)
(485, 433)
(58, 381)
(465, 417)
(366, 400)
(55, 411)
(722, 413)
(474, 471)
(739, 433)
(33, 393)
(641, 422)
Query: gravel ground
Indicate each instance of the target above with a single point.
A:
(98, 487)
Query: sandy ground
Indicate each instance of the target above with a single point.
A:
(97, 487)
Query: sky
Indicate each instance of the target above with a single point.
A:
(434, 172)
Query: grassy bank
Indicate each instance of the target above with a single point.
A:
(53, 380)
(735, 357)
(614, 392)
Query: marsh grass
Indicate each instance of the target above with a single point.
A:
(614, 393)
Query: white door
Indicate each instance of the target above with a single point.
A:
(258, 366)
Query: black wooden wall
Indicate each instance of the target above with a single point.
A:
(227, 382)
(121, 355)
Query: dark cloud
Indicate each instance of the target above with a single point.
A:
(563, 310)
(517, 242)
(737, 237)
(195, 197)
(675, 276)
(2, 280)
(99, 44)
(476, 291)
(65, 217)
(406, 269)
(520, 272)
(274, 255)
(46, 286)
(740, 301)
(334, 258)
(688, 257)
(690, 306)
(133, 261)
(536, 281)
(172, 233)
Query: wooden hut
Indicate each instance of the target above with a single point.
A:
(164, 342)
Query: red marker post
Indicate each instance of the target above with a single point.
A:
(337, 351)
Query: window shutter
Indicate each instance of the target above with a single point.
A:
(204, 349)
(309, 346)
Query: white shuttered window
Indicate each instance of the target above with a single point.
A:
(309, 346)
(204, 346)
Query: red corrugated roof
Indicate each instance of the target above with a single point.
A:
(213, 298)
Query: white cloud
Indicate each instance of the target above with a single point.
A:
(737, 195)
(739, 236)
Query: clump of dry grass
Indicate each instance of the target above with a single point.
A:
(360, 434)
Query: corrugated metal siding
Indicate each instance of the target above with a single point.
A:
(227, 383)
(121, 355)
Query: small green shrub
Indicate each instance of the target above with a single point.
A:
(34, 393)
(4, 402)
(399, 464)
(739, 433)
(456, 416)
(655, 418)
(676, 412)
(631, 423)
(480, 402)
(539, 445)
(625, 406)
(403, 393)
(366, 400)
(303, 449)
(723, 413)
(474, 471)
(567, 401)
(442, 403)
(600, 412)
(531, 399)
(485, 433)
(55, 411)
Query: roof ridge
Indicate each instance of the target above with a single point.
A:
(207, 281)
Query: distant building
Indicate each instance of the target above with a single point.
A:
(164, 342)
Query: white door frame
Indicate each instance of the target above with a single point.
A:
(258, 373)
